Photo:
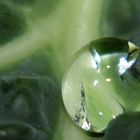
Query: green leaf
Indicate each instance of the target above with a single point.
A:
(12, 22)
(126, 126)
(55, 33)
(24, 1)
(51, 31)
(121, 19)
(29, 101)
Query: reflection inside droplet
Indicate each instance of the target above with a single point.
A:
(108, 79)
(108, 66)
(101, 113)
(86, 125)
(114, 117)
(124, 65)
(96, 60)
(95, 82)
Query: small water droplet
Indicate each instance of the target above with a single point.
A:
(94, 96)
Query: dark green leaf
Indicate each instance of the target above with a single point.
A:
(28, 102)
(12, 22)
(121, 19)
(124, 127)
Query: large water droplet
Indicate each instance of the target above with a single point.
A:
(93, 86)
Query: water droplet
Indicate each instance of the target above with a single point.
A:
(89, 87)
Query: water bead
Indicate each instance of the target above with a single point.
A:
(95, 87)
